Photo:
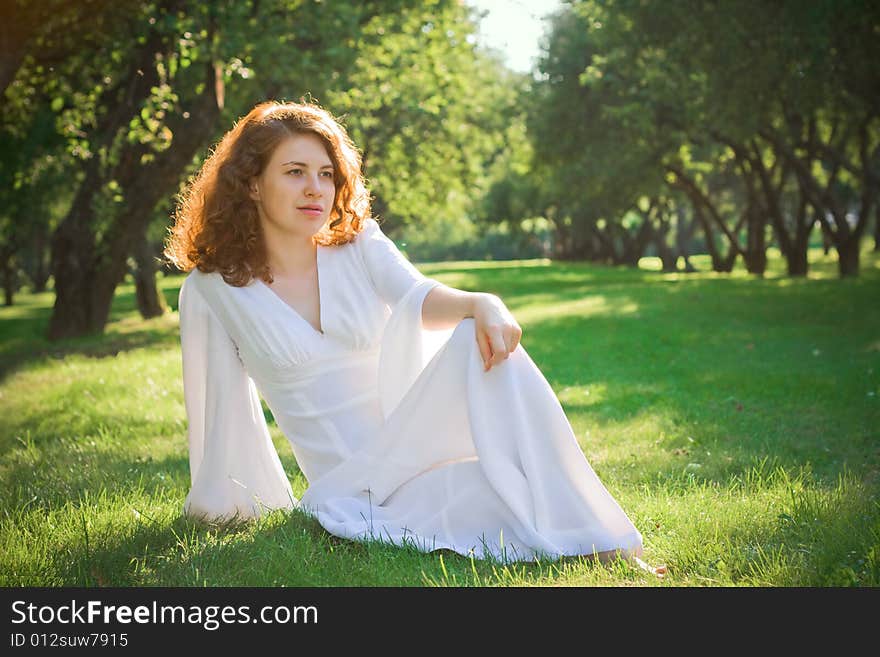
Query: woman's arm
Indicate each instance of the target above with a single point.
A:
(497, 332)
(392, 275)
(234, 467)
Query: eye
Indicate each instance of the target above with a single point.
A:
(295, 172)
(327, 174)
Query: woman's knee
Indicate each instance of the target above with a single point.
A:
(463, 340)
(464, 331)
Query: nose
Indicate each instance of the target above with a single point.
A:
(313, 185)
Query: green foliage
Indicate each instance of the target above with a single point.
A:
(642, 86)
(428, 110)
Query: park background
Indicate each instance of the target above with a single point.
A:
(677, 200)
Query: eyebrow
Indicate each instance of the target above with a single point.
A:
(303, 164)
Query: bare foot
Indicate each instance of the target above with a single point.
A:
(659, 571)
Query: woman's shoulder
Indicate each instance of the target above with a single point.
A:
(192, 290)
(369, 232)
(208, 294)
(209, 280)
(370, 225)
(199, 280)
(208, 287)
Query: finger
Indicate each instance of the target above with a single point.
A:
(499, 349)
(512, 338)
(485, 349)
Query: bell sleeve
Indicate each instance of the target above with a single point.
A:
(407, 347)
(234, 467)
(391, 274)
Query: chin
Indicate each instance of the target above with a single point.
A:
(316, 226)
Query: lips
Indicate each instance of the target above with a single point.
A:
(311, 210)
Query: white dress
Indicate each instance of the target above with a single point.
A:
(400, 433)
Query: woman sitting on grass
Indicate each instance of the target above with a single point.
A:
(413, 411)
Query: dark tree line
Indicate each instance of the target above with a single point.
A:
(753, 123)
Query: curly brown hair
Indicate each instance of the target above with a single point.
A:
(216, 223)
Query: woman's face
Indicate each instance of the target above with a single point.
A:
(295, 192)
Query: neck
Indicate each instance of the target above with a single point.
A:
(289, 254)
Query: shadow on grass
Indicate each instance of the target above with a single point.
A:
(25, 328)
(288, 548)
(284, 549)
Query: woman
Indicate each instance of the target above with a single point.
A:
(412, 410)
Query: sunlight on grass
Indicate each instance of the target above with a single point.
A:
(543, 308)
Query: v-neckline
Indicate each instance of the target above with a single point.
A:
(296, 313)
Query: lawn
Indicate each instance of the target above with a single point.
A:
(735, 419)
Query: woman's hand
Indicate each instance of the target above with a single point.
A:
(498, 333)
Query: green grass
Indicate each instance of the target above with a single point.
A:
(735, 420)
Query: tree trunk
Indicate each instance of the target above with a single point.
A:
(668, 259)
(561, 240)
(827, 240)
(797, 261)
(144, 186)
(825, 201)
(699, 200)
(72, 253)
(86, 274)
(662, 208)
(601, 246)
(794, 249)
(8, 280)
(846, 241)
(755, 255)
(668, 256)
(8, 253)
(848, 258)
(632, 247)
(877, 229)
(684, 233)
(720, 263)
(755, 215)
(798, 264)
(642, 240)
(150, 302)
(631, 254)
(725, 265)
(42, 266)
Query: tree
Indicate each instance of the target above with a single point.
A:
(153, 99)
(772, 96)
(429, 110)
